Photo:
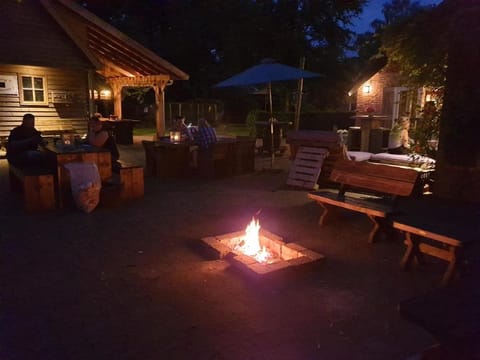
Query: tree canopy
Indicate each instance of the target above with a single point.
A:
(413, 37)
(215, 39)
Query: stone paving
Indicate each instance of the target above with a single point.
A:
(134, 282)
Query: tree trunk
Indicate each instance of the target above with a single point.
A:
(458, 165)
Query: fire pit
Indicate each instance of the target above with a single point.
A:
(259, 251)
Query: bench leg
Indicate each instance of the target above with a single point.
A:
(373, 232)
(327, 215)
(454, 253)
(412, 252)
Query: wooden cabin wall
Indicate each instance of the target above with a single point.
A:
(70, 114)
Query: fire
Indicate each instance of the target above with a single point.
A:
(250, 243)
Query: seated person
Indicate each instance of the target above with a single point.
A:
(205, 135)
(180, 126)
(399, 141)
(99, 137)
(23, 145)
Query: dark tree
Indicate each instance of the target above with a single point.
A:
(214, 39)
(458, 174)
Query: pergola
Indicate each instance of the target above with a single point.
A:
(119, 60)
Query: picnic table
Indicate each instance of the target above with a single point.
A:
(441, 228)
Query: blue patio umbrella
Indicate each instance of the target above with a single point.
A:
(266, 72)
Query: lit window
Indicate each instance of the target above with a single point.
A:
(367, 89)
(33, 90)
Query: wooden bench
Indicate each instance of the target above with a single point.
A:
(375, 190)
(127, 185)
(131, 177)
(439, 229)
(37, 187)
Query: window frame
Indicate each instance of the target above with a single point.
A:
(21, 89)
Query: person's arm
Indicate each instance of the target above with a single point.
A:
(405, 140)
(97, 139)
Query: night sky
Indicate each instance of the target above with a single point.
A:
(373, 10)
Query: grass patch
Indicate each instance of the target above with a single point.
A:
(144, 131)
(222, 129)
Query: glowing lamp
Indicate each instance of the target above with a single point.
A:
(175, 136)
(105, 94)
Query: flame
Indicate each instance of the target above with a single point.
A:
(250, 243)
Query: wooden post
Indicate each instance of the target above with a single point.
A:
(298, 107)
(90, 87)
(160, 110)
(117, 100)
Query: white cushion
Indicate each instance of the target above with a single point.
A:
(403, 159)
(359, 155)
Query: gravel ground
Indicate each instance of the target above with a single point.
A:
(134, 282)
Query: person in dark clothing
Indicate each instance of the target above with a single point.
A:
(99, 137)
(23, 145)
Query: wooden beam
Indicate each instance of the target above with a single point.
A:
(150, 80)
(113, 34)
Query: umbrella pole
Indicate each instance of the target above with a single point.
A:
(272, 146)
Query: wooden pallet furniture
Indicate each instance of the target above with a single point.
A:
(328, 140)
(371, 189)
(306, 167)
(440, 231)
(36, 185)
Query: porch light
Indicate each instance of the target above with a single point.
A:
(105, 94)
(367, 89)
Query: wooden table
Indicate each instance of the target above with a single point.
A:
(122, 129)
(83, 154)
(168, 159)
(367, 124)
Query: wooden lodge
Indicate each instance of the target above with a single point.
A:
(54, 55)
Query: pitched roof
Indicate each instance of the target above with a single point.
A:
(113, 53)
(31, 37)
(372, 67)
